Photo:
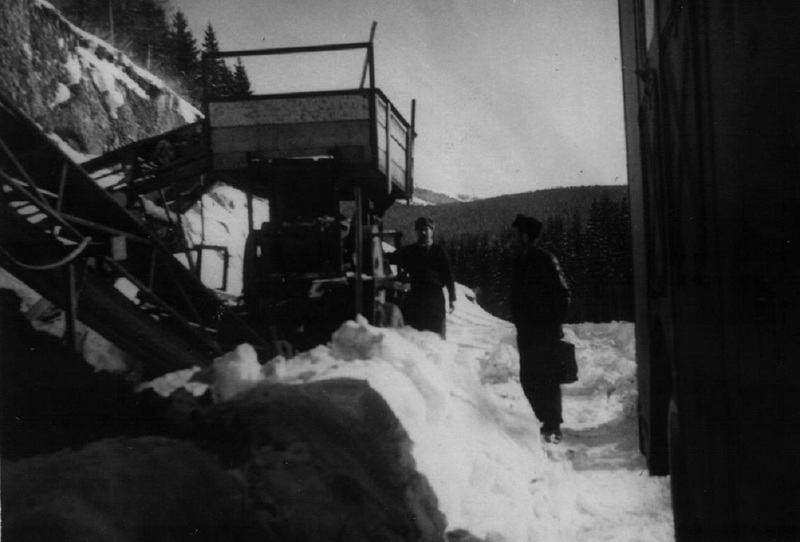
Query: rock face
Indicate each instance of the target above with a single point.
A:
(123, 490)
(77, 86)
(325, 461)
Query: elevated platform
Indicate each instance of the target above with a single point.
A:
(351, 126)
(371, 143)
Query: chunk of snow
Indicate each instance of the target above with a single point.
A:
(236, 372)
(73, 68)
(127, 288)
(75, 156)
(166, 385)
(62, 95)
(105, 81)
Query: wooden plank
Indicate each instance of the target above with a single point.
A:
(368, 58)
(397, 128)
(290, 137)
(231, 160)
(388, 148)
(285, 50)
(397, 148)
(398, 168)
(339, 107)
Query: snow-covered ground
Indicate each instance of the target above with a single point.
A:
(475, 436)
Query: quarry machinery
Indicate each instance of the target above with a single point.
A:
(710, 91)
(72, 242)
(104, 241)
(330, 163)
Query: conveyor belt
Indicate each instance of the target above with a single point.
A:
(54, 217)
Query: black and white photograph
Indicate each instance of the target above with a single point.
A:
(399, 270)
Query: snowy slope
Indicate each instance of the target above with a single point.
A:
(85, 94)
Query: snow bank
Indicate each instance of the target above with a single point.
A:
(606, 389)
(474, 435)
(443, 407)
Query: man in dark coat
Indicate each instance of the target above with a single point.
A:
(429, 271)
(539, 304)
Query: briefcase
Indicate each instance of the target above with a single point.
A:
(565, 352)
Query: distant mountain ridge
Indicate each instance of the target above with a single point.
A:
(423, 196)
(494, 215)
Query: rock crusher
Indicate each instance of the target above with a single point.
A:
(330, 163)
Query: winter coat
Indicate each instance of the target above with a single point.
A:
(539, 304)
(539, 295)
(429, 271)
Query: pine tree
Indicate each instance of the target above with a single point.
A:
(185, 63)
(149, 32)
(574, 266)
(241, 82)
(218, 78)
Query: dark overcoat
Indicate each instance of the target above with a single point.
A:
(539, 304)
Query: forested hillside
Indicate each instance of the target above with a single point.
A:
(587, 228)
(494, 215)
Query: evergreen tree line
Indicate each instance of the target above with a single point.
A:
(163, 45)
(595, 255)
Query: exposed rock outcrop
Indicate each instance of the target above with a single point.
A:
(78, 87)
(123, 490)
(324, 461)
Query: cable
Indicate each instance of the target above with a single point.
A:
(44, 267)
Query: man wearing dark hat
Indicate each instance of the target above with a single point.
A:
(429, 271)
(539, 304)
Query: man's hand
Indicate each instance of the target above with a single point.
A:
(452, 306)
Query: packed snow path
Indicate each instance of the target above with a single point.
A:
(596, 485)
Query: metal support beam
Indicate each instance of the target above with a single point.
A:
(388, 112)
(368, 59)
(359, 267)
(71, 332)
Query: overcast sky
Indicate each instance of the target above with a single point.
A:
(512, 95)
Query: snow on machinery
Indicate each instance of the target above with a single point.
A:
(73, 242)
(711, 125)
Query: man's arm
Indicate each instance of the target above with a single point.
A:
(560, 290)
(447, 277)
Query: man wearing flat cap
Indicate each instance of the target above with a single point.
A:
(429, 272)
(539, 304)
